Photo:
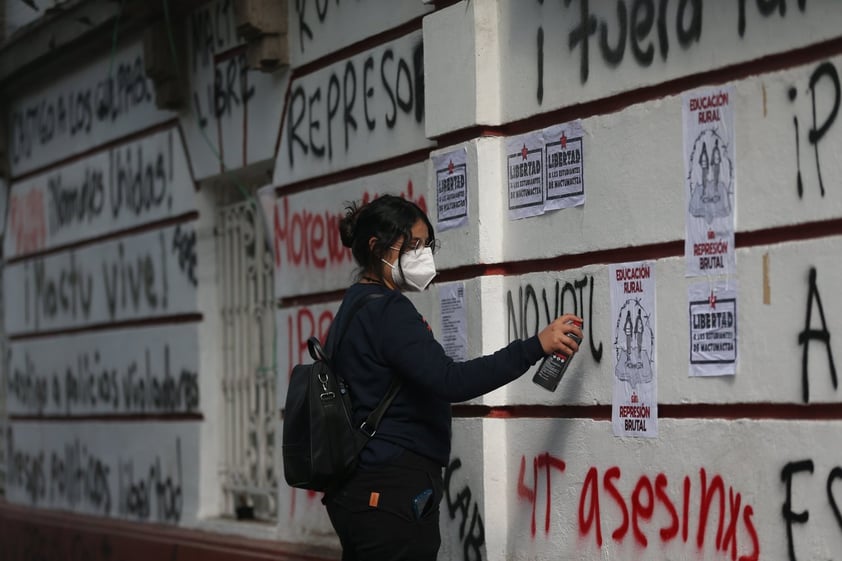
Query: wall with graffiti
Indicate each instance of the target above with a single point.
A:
(666, 169)
(545, 475)
(109, 276)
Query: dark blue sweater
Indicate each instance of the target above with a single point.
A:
(388, 337)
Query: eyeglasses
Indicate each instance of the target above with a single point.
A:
(418, 243)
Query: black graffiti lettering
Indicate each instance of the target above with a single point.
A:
(692, 31)
(69, 204)
(348, 104)
(766, 9)
(581, 34)
(826, 69)
(29, 389)
(134, 393)
(642, 20)
(230, 86)
(81, 113)
(789, 516)
(140, 185)
(130, 283)
(159, 392)
(403, 70)
(520, 326)
(663, 39)
(26, 471)
(401, 90)
(368, 92)
(70, 292)
(76, 111)
(78, 477)
(211, 30)
(184, 247)
(321, 11)
(388, 54)
(614, 56)
(540, 90)
(165, 489)
(418, 80)
(835, 473)
(56, 384)
(568, 287)
(792, 94)
(530, 295)
(90, 383)
(303, 29)
(596, 352)
(809, 334)
(332, 108)
(294, 120)
(317, 150)
(474, 539)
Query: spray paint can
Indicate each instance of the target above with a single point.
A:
(553, 367)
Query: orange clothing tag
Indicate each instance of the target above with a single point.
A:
(374, 499)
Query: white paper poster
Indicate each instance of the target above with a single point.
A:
(564, 164)
(634, 405)
(525, 175)
(713, 329)
(710, 180)
(451, 189)
(454, 336)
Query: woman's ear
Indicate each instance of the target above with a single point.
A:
(371, 241)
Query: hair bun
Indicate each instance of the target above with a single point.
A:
(348, 225)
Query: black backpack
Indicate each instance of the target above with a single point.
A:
(321, 445)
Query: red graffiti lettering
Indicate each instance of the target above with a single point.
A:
(611, 474)
(752, 532)
(646, 499)
(545, 461)
(301, 327)
(307, 239)
(660, 484)
(716, 486)
(27, 221)
(642, 509)
(590, 491)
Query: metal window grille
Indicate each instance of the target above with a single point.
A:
(249, 473)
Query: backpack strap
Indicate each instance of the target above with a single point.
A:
(369, 426)
(357, 305)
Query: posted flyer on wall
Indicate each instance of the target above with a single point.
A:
(454, 323)
(565, 166)
(634, 404)
(713, 329)
(451, 189)
(525, 176)
(709, 181)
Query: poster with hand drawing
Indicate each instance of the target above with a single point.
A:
(710, 181)
(634, 403)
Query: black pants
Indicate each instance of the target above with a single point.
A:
(390, 513)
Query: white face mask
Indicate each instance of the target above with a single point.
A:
(419, 269)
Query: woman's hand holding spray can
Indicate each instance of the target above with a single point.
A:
(553, 367)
